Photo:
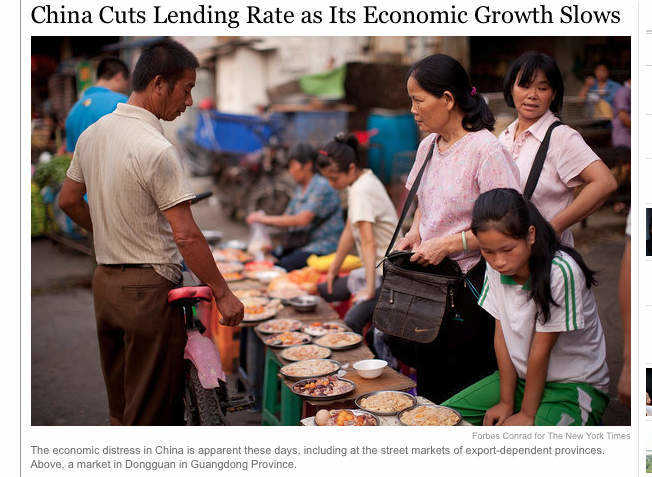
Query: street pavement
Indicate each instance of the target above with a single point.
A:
(67, 388)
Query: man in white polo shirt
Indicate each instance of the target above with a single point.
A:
(139, 211)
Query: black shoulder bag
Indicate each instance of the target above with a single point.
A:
(414, 298)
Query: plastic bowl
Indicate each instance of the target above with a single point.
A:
(370, 368)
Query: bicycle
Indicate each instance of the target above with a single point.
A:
(206, 397)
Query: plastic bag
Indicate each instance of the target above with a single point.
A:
(259, 241)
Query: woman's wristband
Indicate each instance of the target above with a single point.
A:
(465, 246)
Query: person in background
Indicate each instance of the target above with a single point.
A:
(139, 212)
(100, 99)
(467, 160)
(552, 368)
(370, 225)
(534, 87)
(625, 302)
(314, 209)
(621, 131)
(600, 86)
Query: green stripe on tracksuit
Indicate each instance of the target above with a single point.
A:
(562, 404)
(569, 289)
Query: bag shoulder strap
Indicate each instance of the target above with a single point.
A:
(410, 197)
(537, 165)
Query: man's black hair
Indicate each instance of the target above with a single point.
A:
(109, 67)
(166, 58)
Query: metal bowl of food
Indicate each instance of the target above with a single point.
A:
(304, 304)
(386, 403)
(345, 417)
(310, 368)
(429, 415)
(326, 388)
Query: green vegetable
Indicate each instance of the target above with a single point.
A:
(53, 172)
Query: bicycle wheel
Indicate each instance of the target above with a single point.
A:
(203, 407)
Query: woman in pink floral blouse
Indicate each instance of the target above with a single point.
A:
(467, 160)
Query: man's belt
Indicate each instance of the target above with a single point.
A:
(127, 265)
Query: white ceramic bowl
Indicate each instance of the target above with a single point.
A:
(370, 368)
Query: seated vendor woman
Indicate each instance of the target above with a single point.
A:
(313, 218)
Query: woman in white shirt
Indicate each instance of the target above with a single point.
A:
(370, 225)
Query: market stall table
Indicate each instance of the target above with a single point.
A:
(389, 380)
(252, 350)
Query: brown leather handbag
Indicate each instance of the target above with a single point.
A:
(414, 299)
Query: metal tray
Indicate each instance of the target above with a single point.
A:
(341, 348)
(261, 317)
(296, 346)
(322, 398)
(400, 414)
(412, 398)
(356, 412)
(345, 328)
(297, 378)
(288, 345)
(297, 326)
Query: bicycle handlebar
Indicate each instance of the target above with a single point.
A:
(190, 293)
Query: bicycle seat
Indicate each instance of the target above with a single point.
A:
(190, 293)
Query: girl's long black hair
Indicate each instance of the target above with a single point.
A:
(439, 73)
(508, 212)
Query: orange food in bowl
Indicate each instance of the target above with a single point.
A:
(254, 310)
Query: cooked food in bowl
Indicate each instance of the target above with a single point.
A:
(344, 417)
(339, 340)
(309, 351)
(310, 368)
(386, 402)
(329, 386)
(321, 329)
(251, 301)
(231, 255)
(430, 416)
(288, 338)
(279, 325)
(250, 292)
(229, 267)
(265, 276)
(261, 312)
(233, 276)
